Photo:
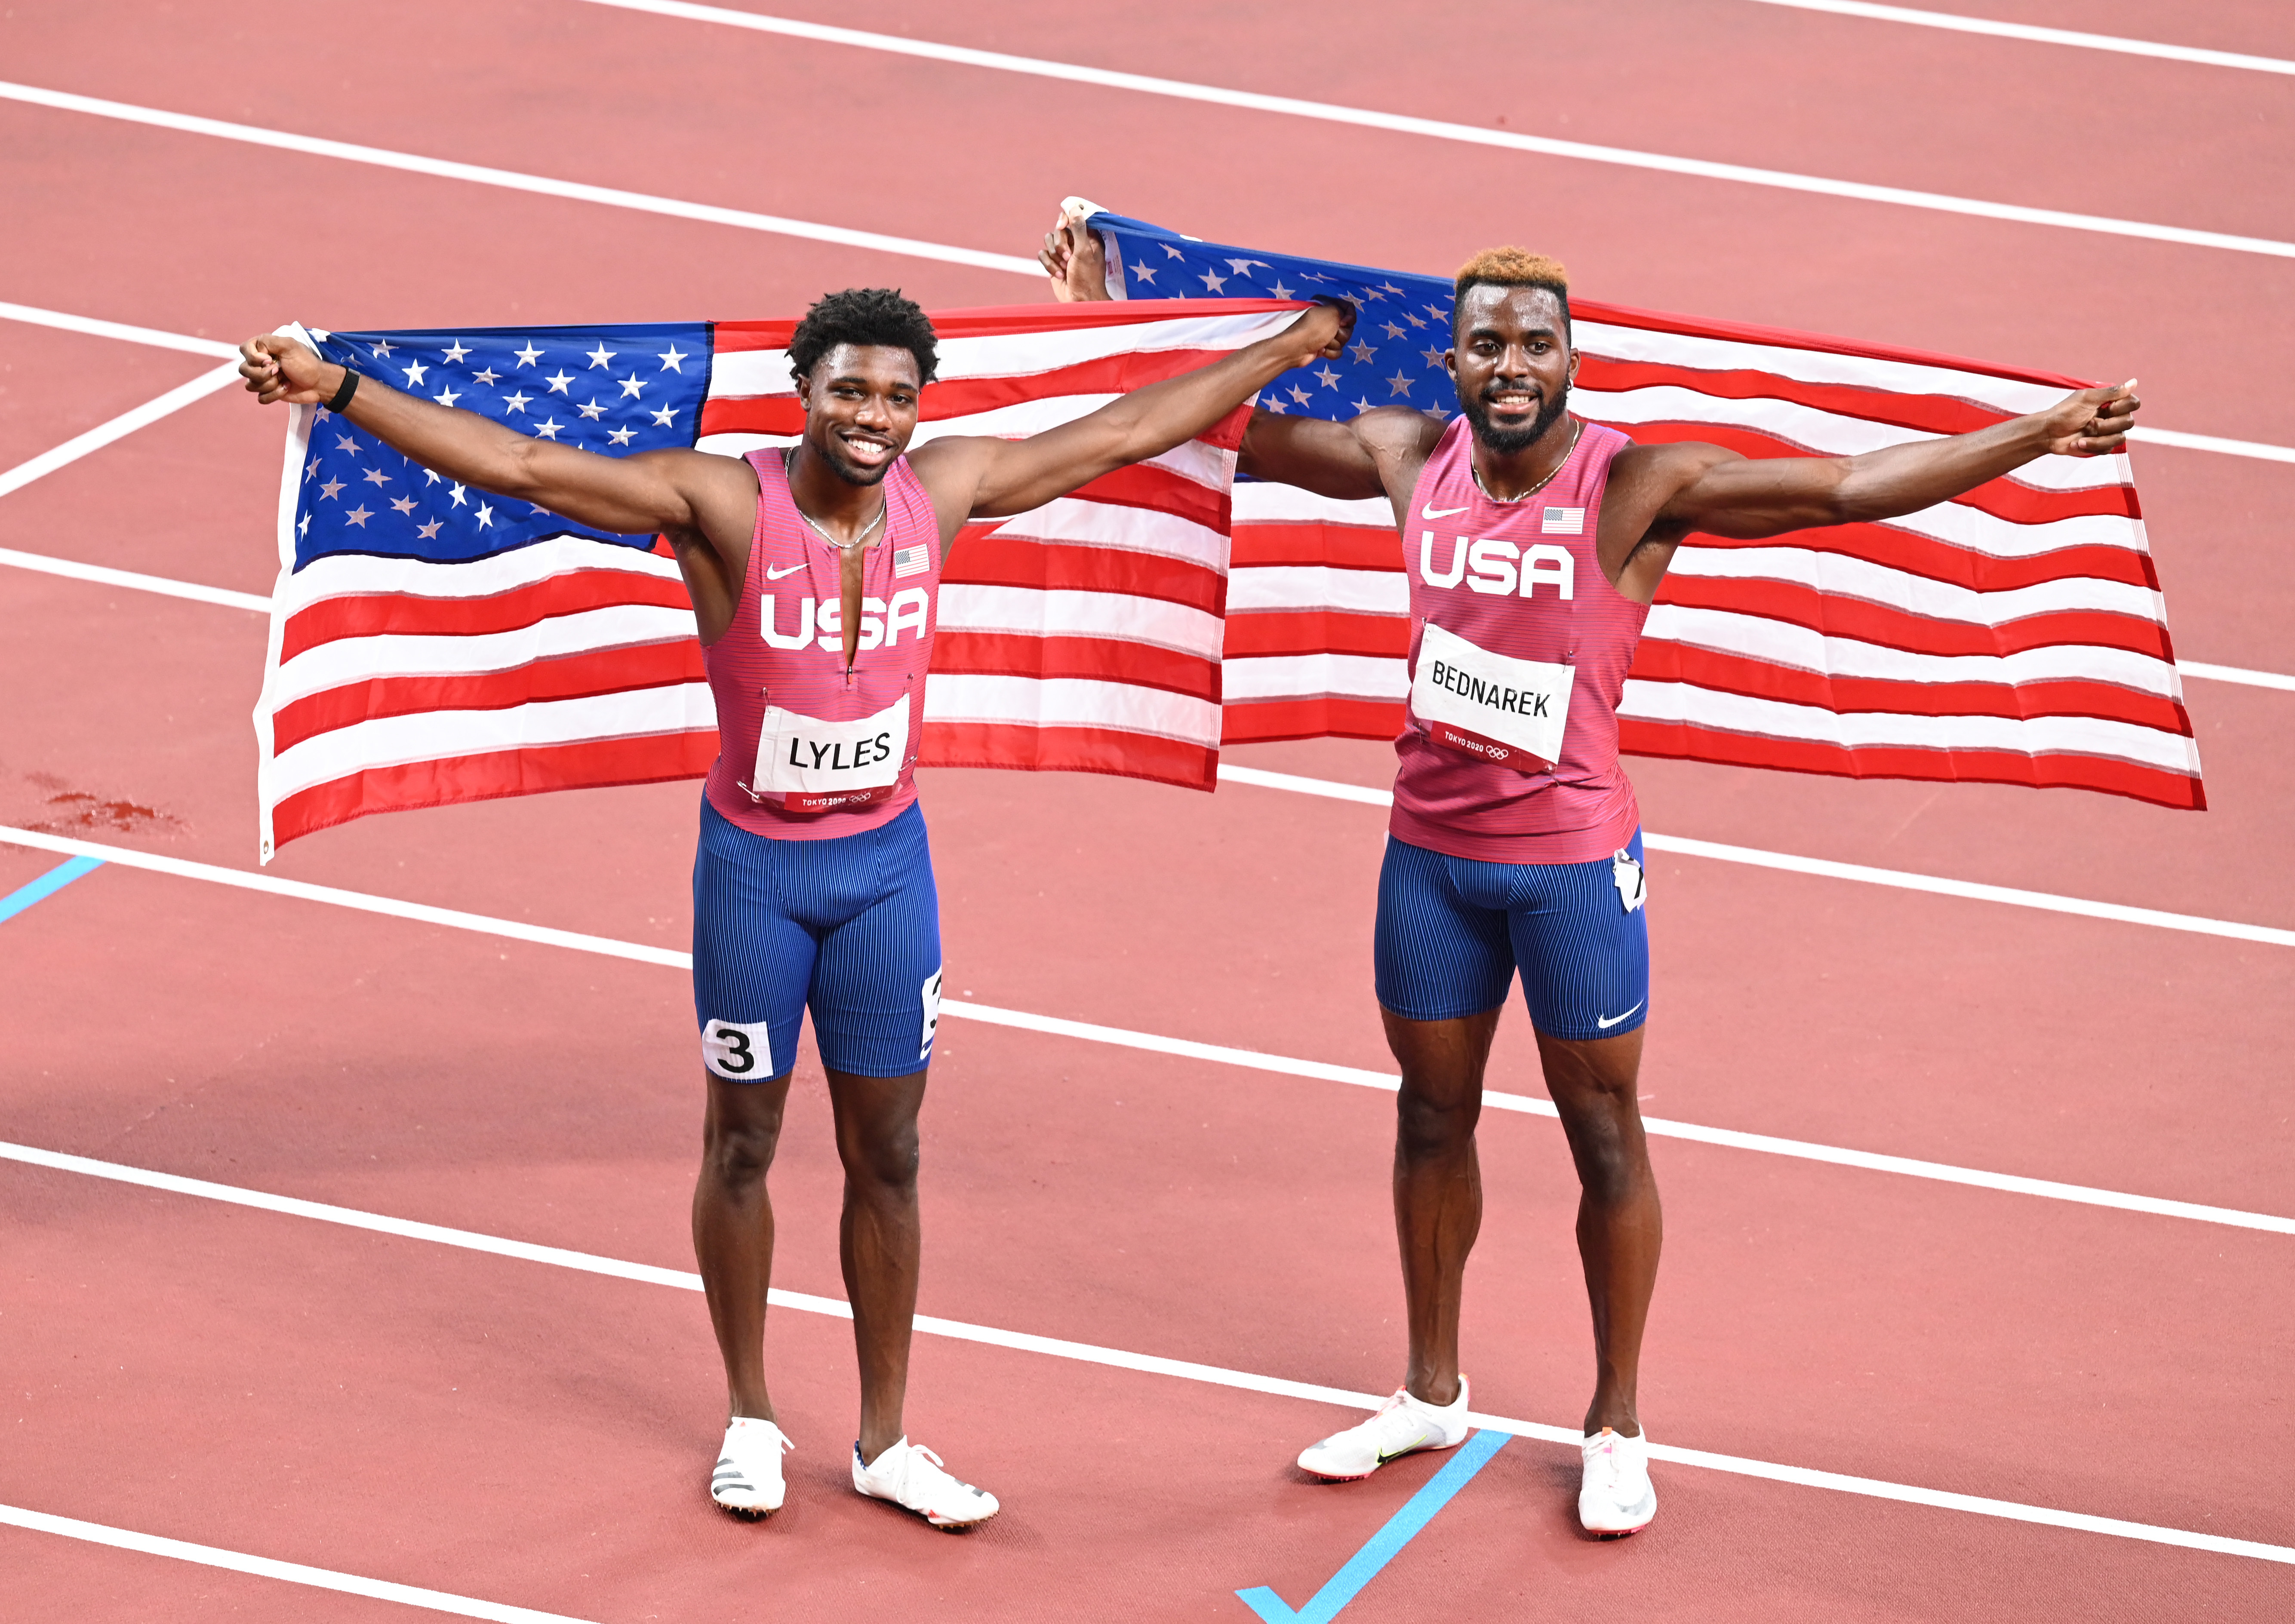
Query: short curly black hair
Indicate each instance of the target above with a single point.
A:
(865, 315)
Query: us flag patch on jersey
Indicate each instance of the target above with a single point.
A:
(911, 561)
(1563, 521)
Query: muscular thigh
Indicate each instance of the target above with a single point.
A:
(875, 993)
(1581, 938)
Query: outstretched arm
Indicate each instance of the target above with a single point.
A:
(663, 491)
(1685, 488)
(985, 478)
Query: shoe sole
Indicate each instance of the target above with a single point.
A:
(748, 1514)
(1357, 1477)
(925, 1517)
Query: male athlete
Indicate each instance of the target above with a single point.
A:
(1534, 542)
(815, 576)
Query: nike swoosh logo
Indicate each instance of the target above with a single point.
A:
(774, 575)
(1420, 1443)
(1439, 513)
(1607, 1021)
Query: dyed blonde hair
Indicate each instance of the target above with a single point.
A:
(1513, 267)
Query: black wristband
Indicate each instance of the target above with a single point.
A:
(343, 395)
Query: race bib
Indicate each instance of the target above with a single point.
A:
(821, 766)
(1505, 710)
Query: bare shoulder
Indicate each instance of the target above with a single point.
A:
(1400, 431)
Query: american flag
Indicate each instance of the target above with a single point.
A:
(2016, 634)
(433, 644)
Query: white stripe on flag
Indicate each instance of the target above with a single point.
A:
(1071, 702)
(1683, 702)
(1311, 676)
(361, 576)
(393, 741)
(1781, 643)
(1706, 355)
(359, 659)
(1845, 577)
(1119, 617)
(1257, 587)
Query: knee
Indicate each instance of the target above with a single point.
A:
(738, 1155)
(886, 1160)
(1426, 1128)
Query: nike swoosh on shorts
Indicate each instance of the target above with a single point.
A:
(1607, 1021)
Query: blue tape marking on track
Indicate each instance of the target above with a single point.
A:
(54, 880)
(1416, 1512)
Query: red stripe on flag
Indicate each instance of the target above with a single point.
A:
(1272, 721)
(997, 654)
(595, 764)
(996, 321)
(982, 559)
(1068, 749)
(1936, 560)
(574, 676)
(957, 398)
(1687, 741)
(1659, 661)
(1838, 616)
(1315, 542)
(1930, 414)
(1268, 632)
(383, 614)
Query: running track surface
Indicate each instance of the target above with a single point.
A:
(505, 1430)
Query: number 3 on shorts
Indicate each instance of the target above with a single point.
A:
(738, 1053)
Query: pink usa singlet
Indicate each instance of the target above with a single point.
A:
(806, 750)
(1519, 647)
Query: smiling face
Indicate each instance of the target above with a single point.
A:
(1512, 363)
(860, 406)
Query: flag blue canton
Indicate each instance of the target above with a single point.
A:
(1403, 323)
(615, 390)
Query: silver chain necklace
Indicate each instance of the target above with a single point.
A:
(1577, 427)
(788, 464)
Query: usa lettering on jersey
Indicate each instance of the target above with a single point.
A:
(822, 622)
(1499, 568)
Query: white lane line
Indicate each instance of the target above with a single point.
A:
(207, 346)
(1118, 1358)
(482, 174)
(2050, 36)
(271, 1567)
(119, 428)
(73, 570)
(1189, 1048)
(2209, 442)
(1825, 868)
(93, 326)
(1442, 130)
(2233, 674)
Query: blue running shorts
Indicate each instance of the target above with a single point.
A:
(849, 927)
(1452, 931)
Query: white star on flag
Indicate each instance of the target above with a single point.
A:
(601, 356)
(414, 371)
(673, 360)
(456, 353)
(528, 355)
